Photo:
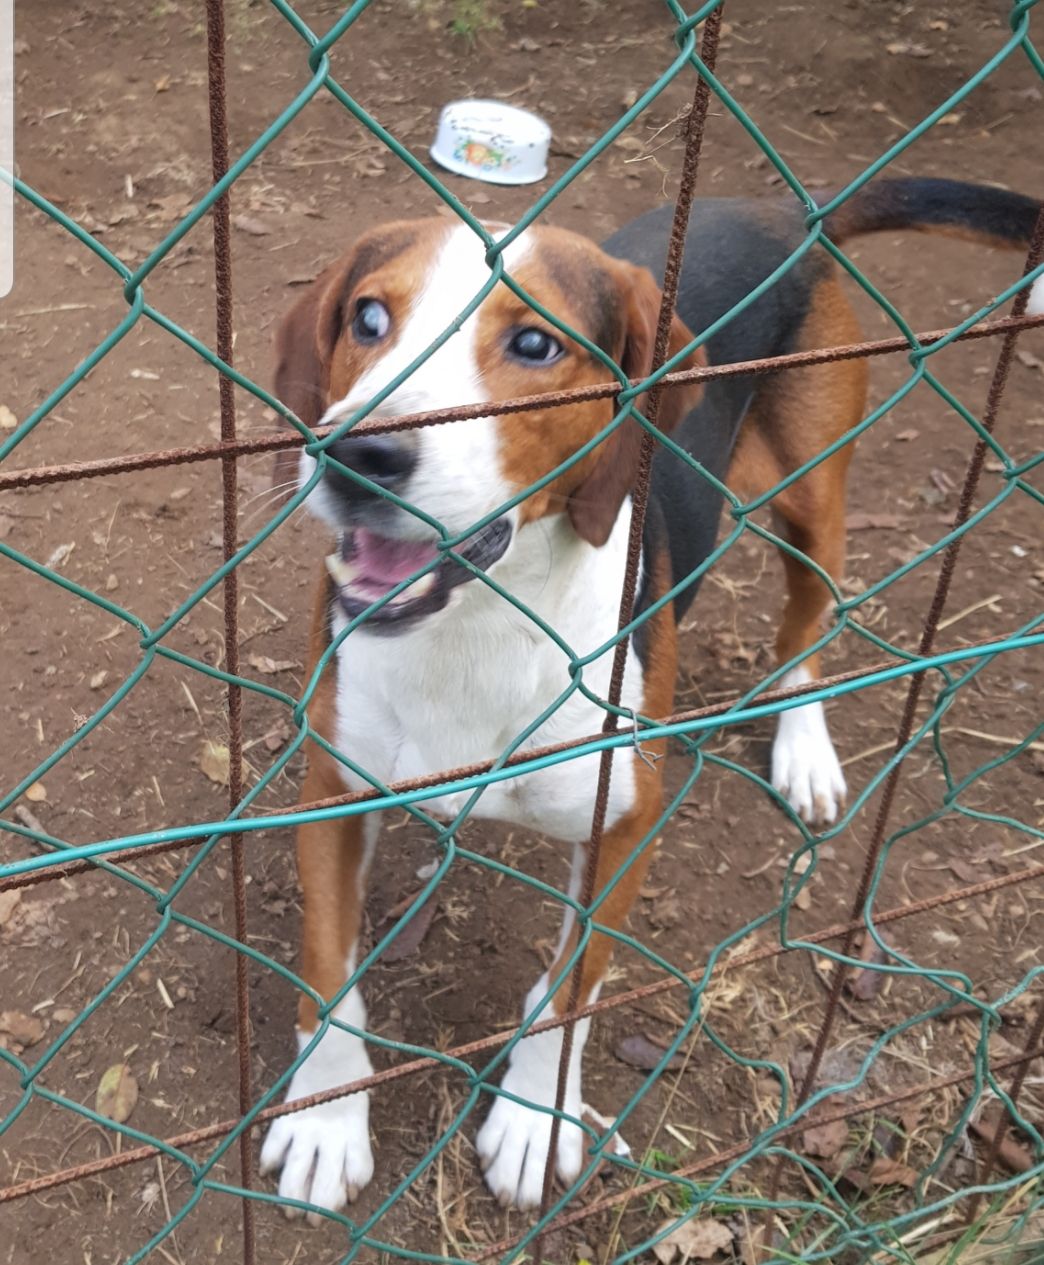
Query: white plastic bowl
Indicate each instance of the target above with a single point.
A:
(490, 141)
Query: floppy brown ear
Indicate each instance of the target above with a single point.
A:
(304, 346)
(595, 503)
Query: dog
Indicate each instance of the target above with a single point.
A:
(447, 672)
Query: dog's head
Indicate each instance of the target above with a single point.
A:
(370, 315)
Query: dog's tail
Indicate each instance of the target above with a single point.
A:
(973, 212)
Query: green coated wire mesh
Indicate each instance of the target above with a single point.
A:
(817, 1212)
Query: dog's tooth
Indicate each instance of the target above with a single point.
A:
(419, 587)
(343, 573)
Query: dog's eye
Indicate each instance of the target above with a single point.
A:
(371, 321)
(535, 345)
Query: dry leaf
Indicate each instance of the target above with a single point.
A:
(262, 663)
(246, 224)
(591, 1116)
(861, 521)
(162, 84)
(60, 555)
(965, 872)
(905, 436)
(18, 1030)
(8, 421)
(752, 1245)
(117, 1093)
(903, 48)
(1011, 1153)
(825, 1140)
(276, 738)
(889, 1172)
(99, 679)
(638, 1050)
(37, 793)
(214, 761)
(697, 1240)
(8, 904)
(865, 984)
(410, 937)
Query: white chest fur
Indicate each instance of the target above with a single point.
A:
(464, 684)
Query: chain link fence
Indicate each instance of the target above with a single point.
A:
(793, 1208)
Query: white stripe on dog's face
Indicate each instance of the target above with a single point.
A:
(457, 478)
(424, 274)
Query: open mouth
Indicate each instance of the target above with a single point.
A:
(367, 566)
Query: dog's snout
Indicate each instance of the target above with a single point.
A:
(386, 460)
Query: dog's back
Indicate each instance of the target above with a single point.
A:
(735, 245)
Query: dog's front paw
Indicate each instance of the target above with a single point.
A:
(514, 1142)
(324, 1153)
(805, 767)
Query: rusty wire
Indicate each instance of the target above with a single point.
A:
(929, 629)
(482, 1045)
(232, 447)
(694, 127)
(279, 441)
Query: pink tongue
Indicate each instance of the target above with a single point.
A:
(384, 561)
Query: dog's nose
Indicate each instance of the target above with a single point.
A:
(386, 460)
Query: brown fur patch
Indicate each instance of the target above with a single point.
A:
(390, 265)
(309, 373)
(614, 305)
(802, 412)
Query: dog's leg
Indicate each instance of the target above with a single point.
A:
(513, 1143)
(324, 1151)
(805, 767)
(794, 418)
(810, 515)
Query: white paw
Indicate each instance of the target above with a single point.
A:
(514, 1142)
(324, 1151)
(805, 767)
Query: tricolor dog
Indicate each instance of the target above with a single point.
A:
(448, 673)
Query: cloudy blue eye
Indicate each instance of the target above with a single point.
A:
(371, 321)
(535, 345)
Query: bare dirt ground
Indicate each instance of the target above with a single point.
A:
(113, 128)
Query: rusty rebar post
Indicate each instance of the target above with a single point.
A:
(483, 1045)
(914, 690)
(1033, 1042)
(230, 532)
(694, 129)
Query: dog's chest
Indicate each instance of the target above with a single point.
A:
(477, 687)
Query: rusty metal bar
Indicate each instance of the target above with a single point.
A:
(277, 441)
(484, 1044)
(694, 129)
(230, 533)
(67, 869)
(913, 695)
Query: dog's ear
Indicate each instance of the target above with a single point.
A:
(304, 344)
(594, 505)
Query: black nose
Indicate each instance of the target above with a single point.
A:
(386, 460)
